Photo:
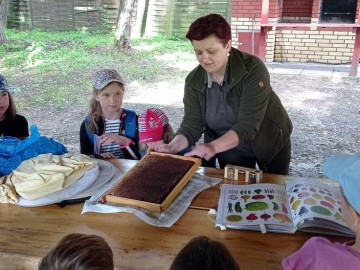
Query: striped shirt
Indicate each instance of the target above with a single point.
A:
(112, 126)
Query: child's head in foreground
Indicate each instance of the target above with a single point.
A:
(79, 252)
(202, 253)
(346, 170)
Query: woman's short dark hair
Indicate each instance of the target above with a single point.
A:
(212, 24)
(79, 252)
(202, 253)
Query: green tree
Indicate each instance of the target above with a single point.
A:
(3, 19)
(123, 26)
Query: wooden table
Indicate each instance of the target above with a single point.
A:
(27, 234)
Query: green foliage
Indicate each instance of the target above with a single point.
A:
(60, 64)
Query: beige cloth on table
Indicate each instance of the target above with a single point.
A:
(48, 173)
(7, 191)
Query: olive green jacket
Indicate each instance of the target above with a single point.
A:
(262, 120)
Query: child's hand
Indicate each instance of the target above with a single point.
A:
(162, 147)
(110, 138)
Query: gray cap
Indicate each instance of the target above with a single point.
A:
(3, 84)
(103, 77)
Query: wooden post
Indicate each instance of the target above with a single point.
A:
(356, 53)
(356, 50)
(263, 29)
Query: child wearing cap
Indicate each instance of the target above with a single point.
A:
(154, 128)
(11, 123)
(109, 130)
(320, 253)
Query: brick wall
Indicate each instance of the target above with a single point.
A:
(322, 46)
(330, 47)
(297, 8)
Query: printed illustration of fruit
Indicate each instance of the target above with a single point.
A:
(327, 204)
(251, 217)
(309, 201)
(245, 197)
(257, 191)
(312, 189)
(320, 210)
(303, 211)
(234, 218)
(271, 197)
(275, 206)
(295, 205)
(230, 208)
(303, 194)
(299, 185)
(338, 216)
(329, 199)
(317, 196)
(258, 197)
(283, 208)
(238, 207)
(321, 191)
(256, 206)
(282, 217)
(265, 216)
(292, 199)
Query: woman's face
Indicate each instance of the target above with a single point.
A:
(4, 104)
(110, 99)
(212, 54)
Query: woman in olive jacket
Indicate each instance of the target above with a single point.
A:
(229, 99)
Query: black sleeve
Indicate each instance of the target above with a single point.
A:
(86, 147)
(22, 126)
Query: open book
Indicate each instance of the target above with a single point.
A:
(299, 205)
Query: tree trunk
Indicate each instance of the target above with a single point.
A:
(123, 27)
(3, 19)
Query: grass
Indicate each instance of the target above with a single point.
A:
(59, 64)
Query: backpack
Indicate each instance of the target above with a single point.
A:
(130, 126)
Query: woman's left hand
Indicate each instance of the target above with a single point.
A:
(202, 150)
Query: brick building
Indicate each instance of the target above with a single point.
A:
(322, 31)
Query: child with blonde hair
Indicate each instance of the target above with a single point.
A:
(320, 253)
(109, 130)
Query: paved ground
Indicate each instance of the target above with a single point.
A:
(310, 69)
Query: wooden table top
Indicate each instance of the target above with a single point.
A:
(27, 234)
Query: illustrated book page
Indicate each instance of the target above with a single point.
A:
(306, 205)
(316, 207)
(260, 207)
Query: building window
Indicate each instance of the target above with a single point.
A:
(338, 11)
